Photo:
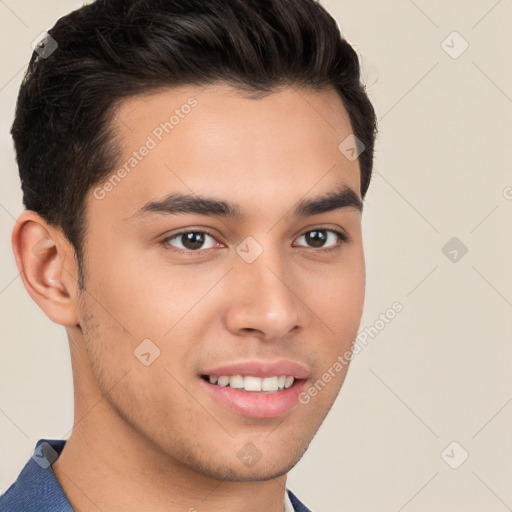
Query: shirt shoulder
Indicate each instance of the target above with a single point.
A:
(37, 487)
(298, 506)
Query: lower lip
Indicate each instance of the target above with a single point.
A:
(256, 404)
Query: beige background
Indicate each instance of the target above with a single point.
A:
(435, 374)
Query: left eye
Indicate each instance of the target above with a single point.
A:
(317, 238)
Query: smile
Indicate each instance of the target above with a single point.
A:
(250, 383)
(256, 397)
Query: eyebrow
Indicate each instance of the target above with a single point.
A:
(179, 203)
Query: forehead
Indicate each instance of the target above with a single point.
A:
(217, 141)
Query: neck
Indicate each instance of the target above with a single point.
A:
(102, 472)
(106, 464)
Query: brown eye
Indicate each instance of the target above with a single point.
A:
(323, 238)
(316, 238)
(190, 240)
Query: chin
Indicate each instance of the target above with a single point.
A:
(254, 474)
(235, 469)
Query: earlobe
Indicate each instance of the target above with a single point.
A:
(41, 253)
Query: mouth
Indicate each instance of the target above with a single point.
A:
(252, 396)
(251, 383)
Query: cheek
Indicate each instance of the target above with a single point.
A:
(344, 303)
(141, 296)
(337, 297)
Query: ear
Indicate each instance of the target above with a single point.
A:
(48, 268)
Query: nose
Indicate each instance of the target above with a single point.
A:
(263, 301)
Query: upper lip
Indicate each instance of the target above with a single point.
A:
(261, 369)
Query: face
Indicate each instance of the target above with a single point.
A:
(230, 246)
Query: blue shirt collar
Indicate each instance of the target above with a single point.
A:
(37, 487)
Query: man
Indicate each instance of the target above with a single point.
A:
(193, 176)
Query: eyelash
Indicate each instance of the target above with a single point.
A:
(342, 237)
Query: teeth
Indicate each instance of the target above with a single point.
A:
(223, 381)
(269, 384)
(288, 382)
(236, 381)
(250, 383)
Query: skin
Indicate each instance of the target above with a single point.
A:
(149, 437)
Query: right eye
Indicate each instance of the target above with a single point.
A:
(189, 241)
